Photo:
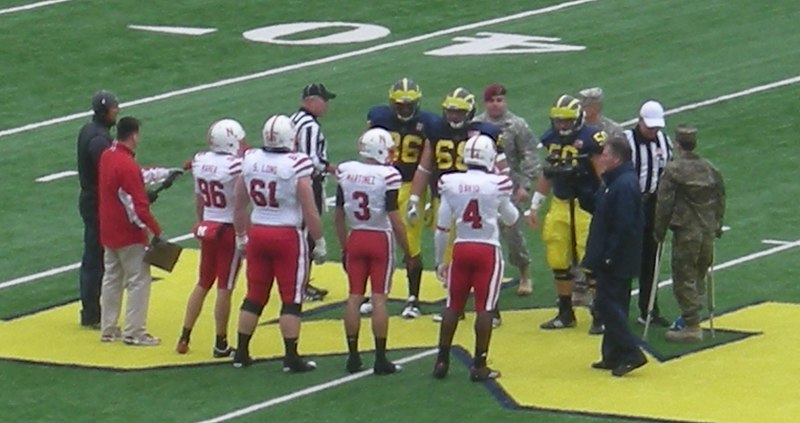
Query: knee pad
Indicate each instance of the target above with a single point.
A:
(562, 274)
(292, 308)
(252, 307)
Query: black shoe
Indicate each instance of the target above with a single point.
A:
(655, 321)
(562, 321)
(314, 293)
(625, 368)
(386, 367)
(298, 365)
(224, 352)
(440, 369)
(482, 374)
(242, 360)
(596, 328)
(602, 365)
(354, 364)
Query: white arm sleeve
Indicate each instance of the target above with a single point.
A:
(508, 213)
(154, 175)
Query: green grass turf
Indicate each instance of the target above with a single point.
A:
(680, 52)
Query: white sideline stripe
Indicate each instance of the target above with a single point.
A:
(55, 176)
(283, 69)
(67, 268)
(720, 99)
(740, 260)
(310, 390)
(174, 30)
(774, 242)
(31, 6)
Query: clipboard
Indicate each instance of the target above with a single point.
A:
(163, 255)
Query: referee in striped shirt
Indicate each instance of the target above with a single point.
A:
(311, 141)
(651, 150)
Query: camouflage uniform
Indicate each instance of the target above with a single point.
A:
(691, 202)
(595, 95)
(519, 145)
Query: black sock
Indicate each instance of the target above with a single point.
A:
(290, 344)
(480, 359)
(380, 349)
(222, 342)
(564, 304)
(185, 334)
(414, 280)
(244, 344)
(444, 353)
(352, 344)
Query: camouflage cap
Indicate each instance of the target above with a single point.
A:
(591, 95)
(686, 134)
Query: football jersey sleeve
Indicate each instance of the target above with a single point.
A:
(393, 179)
(303, 166)
(377, 116)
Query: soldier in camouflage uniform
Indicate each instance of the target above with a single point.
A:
(691, 202)
(519, 144)
(592, 102)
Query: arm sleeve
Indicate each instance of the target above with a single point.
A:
(154, 175)
(623, 210)
(529, 165)
(508, 213)
(339, 197)
(309, 140)
(442, 230)
(721, 202)
(391, 200)
(134, 199)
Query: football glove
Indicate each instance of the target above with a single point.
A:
(320, 252)
(412, 211)
(441, 273)
(241, 243)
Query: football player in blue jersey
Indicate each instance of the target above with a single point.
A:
(445, 153)
(409, 127)
(572, 172)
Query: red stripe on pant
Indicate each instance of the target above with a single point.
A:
(219, 260)
(276, 253)
(476, 267)
(370, 254)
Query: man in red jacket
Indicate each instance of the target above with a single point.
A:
(125, 218)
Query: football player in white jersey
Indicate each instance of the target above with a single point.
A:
(277, 182)
(478, 201)
(366, 202)
(215, 172)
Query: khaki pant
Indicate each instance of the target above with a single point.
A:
(517, 244)
(125, 269)
(692, 254)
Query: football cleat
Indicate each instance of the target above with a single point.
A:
(386, 367)
(298, 365)
(182, 347)
(560, 322)
(366, 307)
(224, 352)
(411, 311)
(438, 317)
(354, 364)
(482, 374)
(242, 360)
(440, 369)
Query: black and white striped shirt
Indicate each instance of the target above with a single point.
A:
(310, 139)
(649, 157)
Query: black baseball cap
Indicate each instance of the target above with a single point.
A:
(318, 89)
(102, 101)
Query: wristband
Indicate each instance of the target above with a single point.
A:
(537, 200)
(413, 198)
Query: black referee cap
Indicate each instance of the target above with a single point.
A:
(318, 89)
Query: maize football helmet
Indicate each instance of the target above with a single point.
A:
(279, 133)
(566, 116)
(458, 108)
(480, 151)
(404, 98)
(225, 136)
(376, 144)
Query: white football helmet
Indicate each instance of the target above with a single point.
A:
(480, 151)
(225, 136)
(376, 144)
(279, 133)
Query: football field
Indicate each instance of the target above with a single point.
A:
(729, 67)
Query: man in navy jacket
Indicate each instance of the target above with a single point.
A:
(613, 252)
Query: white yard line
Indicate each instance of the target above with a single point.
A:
(30, 6)
(740, 260)
(58, 270)
(310, 390)
(283, 69)
(775, 242)
(56, 176)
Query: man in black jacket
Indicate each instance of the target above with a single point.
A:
(613, 252)
(93, 139)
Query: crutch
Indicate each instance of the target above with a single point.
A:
(652, 300)
(710, 292)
